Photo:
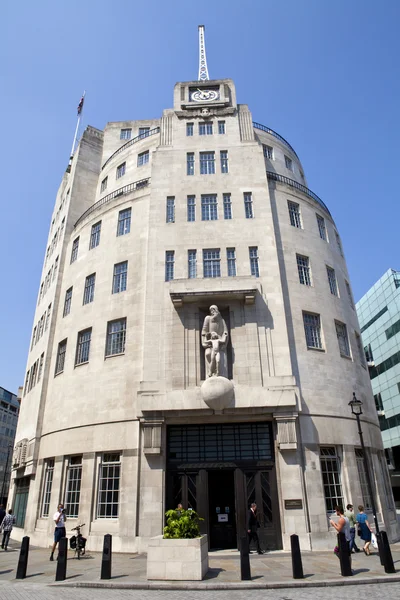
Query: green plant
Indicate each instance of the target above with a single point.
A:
(182, 524)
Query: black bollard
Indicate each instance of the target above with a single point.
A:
(297, 565)
(245, 573)
(386, 553)
(61, 571)
(23, 558)
(380, 548)
(344, 555)
(106, 558)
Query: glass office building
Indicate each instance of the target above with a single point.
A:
(9, 410)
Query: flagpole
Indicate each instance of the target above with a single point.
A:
(76, 133)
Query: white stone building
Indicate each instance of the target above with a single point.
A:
(156, 221)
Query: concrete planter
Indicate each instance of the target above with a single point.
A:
(177, 560)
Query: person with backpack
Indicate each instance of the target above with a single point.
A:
(6, 527)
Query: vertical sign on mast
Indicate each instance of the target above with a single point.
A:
(79, 111)
(203, 70)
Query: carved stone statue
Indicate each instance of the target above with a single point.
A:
(214, 338)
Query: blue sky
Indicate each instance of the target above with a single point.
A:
(322, 73)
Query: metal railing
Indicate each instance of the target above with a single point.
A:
(131, 187)
(302, 188)
(275, 134)
(142, 136)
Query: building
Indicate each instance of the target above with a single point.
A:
(9, 411)
(155, 222)
(379, 316)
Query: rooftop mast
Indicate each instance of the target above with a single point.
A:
(203, 70)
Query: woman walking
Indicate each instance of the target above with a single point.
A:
(364, 529)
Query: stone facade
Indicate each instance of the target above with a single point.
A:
(104, 421)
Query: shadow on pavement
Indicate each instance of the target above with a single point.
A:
(213, 573)
(33, 575)
(7, 571)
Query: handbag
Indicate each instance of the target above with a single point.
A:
(359, 531)
(374, 541)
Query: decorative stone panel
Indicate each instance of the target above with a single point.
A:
(152, 431)
(287, 437)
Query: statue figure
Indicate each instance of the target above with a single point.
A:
(214, 338)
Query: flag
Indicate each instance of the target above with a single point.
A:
(80, 105)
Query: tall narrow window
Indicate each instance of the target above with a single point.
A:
(48, 317)
(83, 347)
(169, 265)
(227, 206)
(103, 185)
(332, 281)
(248, 205)
(67, 302)
(321, 228)
(209, 209)
(26, 382)
(33, 337)
(253, 254)
(170, 216)
(205, 128)
(339, 243)
(363, 477)
(349, 294)
(88, 293)
(224, 161)
(191, 208)
(73, 487)
(192, 264)
(294, 214)
(47, 485)
(40, 369)
(221, 127)
(268, 151)
(120, 277)
(369, 357)
(360, 349)
(62, 228)
(303, 267)
(60, 359)
(190, 163)
(55, 269)
(211, 263)
(143, 158)
(207, 163)
(189, 129)
(109, 484)
(312, 328)
(116, 335)
(330, 470)
(288, 163)
(143, 132)
(124, 221)
(343, 340)
(121, 170)
(231, 260)
(74, 251)
(125, 134)
(95, 235)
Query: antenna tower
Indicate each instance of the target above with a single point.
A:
(203, 70)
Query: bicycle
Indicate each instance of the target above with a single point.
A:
(78, 542)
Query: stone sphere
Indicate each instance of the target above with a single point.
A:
(217, 392)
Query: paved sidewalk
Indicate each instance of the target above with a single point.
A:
(269, 570)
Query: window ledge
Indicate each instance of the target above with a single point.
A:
(113, 355)
(82, 363)
(316, 349)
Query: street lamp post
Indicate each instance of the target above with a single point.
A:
(5, 472)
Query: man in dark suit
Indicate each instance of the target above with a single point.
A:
(252, 526)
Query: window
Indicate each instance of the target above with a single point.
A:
(392, 330)
(33, 337)
(209, 208)
(211, 263)
(321, 228)
(190, 163)
(231, 260)
(40, 366)
(73, 487)
(169, 265)
(363, 477)
(143, 158)
(224, 161)
(55, 269)
(83, 347)
(339, 243)
(170, 217)
(67, 302)
(62, 227)
(360, 349)
(124, 221)
(108, 491)
(48, 317)
(189, 129)
(125, 134)
(330, 469)
(268, 152)
(253, 254)
(288, 163)
(26, 382)
(227, 206)
(116, 335)
(207, 163)
(378, 402)
(74, 251)
(221, 127)
(47, 485)
(294, 214)
(332, 281)
(88, 293)
(121, 170)
(303, 267)
(369, 357)
(103, 185)
(350, 295)
(192, 264)
(95, 235)
(60, 360)
(248, 205)
(205, 128)
(374, 318)
(191, 208)
(144, 132)
(312, 328)
(343, 340)
(120, 277)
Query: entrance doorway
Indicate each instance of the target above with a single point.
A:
(221, 509)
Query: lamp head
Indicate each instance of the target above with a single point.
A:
(356, 405)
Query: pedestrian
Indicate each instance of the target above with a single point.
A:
(342, 526)
(349, 513)
(59, 531)
(6, 527)
(252, 527)
(364, 529)
(2, 513)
